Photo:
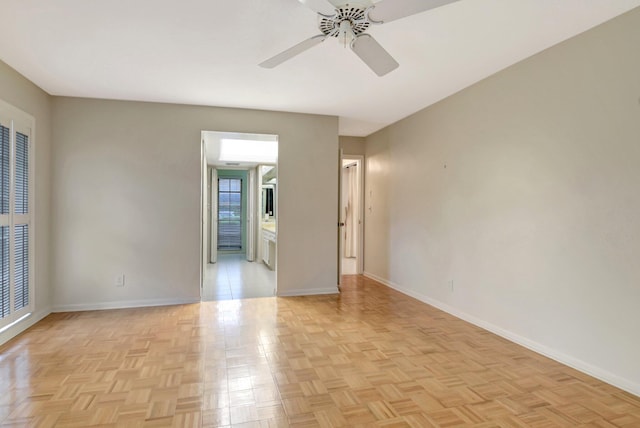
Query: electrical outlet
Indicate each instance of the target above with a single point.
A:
(120, 280)
(450, 284)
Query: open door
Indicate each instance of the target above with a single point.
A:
(214, 216)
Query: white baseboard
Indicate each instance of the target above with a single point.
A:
(21, 326)
(381, 280)
(308, 292)
(560, 357)
(123, 304)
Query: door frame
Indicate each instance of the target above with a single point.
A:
(208, 201)
(360, 234)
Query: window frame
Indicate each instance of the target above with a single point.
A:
(19, 122)
(218, 206)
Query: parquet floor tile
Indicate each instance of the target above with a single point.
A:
(369, 357)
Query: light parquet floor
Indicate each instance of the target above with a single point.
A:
(233, 277)
(367, 357)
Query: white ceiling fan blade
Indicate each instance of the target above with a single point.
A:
(374, 55)
(322, 7)
(293, 51)
(390, 10)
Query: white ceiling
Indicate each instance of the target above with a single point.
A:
(206, 52)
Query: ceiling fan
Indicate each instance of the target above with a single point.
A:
(348, 20)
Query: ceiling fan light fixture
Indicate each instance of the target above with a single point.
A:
(346, 35)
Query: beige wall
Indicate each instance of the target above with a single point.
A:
(352, 145)
(524, 191)
(376, 205)
(127, 199)
(24, 95)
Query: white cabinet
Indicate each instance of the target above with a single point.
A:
(269, 248)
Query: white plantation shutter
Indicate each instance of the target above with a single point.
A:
(5, 176)
(5, 286)
(5, 168)
(16, 285)
(5, 164)
(21, 231)
(21, 283)
(22, 174)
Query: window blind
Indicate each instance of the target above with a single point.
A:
(22, 174)
(5, 164)
(21, 280)
(4, 272)
(229, 214)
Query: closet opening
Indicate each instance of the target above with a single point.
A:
(351, 253)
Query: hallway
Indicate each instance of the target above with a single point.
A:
(233, 277)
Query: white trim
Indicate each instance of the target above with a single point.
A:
(382, 281)
(204, 208)
(123, 304)
(575, 363)
(22, 325)
(309, 292)
(19, 121)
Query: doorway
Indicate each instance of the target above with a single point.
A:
(234, 221)
(231, 212)
(351, 258)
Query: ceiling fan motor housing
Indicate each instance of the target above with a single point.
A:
(355, 15)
